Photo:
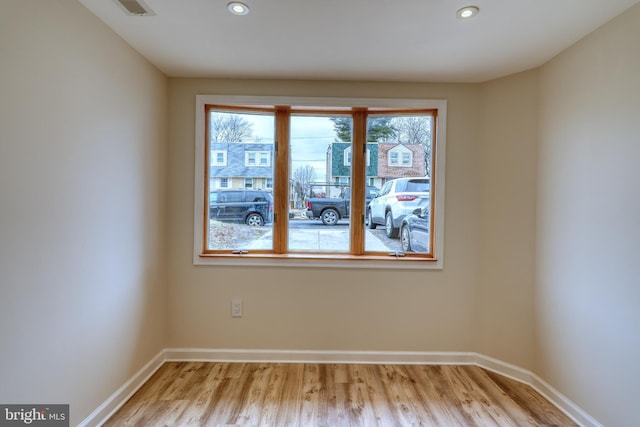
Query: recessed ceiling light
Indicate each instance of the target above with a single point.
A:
(238, 8)
(467, 12)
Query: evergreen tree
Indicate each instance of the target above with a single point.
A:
(379, 129)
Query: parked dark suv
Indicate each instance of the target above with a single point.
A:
(251, 207)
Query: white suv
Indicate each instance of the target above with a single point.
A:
(397, 198)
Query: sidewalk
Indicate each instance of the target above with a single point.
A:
(320, 240)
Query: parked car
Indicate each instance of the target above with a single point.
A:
(414, 231)
(332, 209)
(397, 199)
(251, 207)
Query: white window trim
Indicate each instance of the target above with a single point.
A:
(439, 167)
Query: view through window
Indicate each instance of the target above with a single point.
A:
(346, 181)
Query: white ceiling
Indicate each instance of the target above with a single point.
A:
(381, 40)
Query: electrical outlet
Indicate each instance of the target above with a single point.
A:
(236, 308)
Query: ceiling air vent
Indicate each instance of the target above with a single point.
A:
(135, 7)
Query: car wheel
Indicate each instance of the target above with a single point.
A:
(330, 217)
(405, 238)
(391, 231)
(370, 224)
(254, 219)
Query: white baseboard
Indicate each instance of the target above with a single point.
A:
(117, 399)
(103, 412)
(572, 410)
(318, 356)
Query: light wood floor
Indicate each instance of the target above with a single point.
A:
(310, 394)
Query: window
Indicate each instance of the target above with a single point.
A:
(250, 158)
(218, 158)
(393, 159)
(264, 159)
(406, 159)
(402, 156)
(311, 181)
(257, 158)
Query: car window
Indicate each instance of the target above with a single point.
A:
(417, 185)
(257, 196)
(213, 197)
(401, 185)
(385, 189)
(233, 196)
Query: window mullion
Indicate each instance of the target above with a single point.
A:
(358, 172)
(206, 166)
(281, 181)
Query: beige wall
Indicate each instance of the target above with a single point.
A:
(587, 274)
(325, 309)
(82, 180)
(507, 211)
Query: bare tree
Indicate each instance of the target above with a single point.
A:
(229, 127)
(302, 178)
(416, 130)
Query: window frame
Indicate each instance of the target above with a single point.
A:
(214, 159)
(244, 103)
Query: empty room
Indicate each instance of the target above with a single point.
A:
(319, 213)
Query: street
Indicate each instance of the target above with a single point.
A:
(315, 224)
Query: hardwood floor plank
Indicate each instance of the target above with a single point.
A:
(483, 407)
(272, 396)
(539, 409)
(333, 395)
(378, 399)
(356, 395)
(313, 392)
(452, 398)
(291, 396)
(251, 411)
(401, 403)
(431, 397)
(497, 396)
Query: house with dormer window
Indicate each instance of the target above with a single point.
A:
(247, 165)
